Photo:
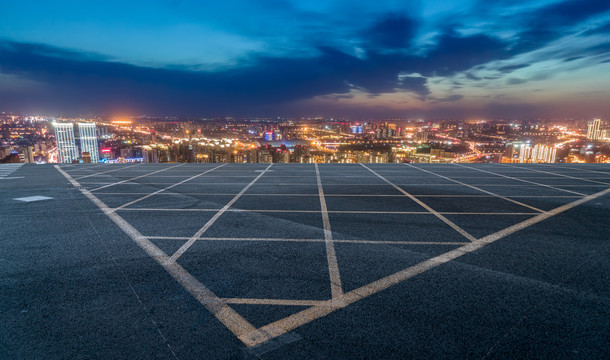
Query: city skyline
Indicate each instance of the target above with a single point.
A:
(387, 59)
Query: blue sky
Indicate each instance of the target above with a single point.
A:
(468, 58)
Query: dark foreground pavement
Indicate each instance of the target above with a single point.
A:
(342, 261)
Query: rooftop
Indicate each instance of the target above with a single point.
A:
(279, 261)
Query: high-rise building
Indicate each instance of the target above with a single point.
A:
(595, 132)
(88, 140)
(537, 154)
(66, 147)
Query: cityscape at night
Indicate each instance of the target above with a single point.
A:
(305, 180)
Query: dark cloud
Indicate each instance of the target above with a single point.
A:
(450, 98)
(511, 68)
(388, 62)
(94, 83)
(454, 53)
(391, 32)
(548, 23)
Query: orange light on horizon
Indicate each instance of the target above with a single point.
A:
(121, 122)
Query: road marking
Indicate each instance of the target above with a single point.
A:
(422, 204)
(330, 211)
(357, 241)
(579, 169)
(33, 198)
(526, 181)
(109, 171)
(294, 321)
(167, 188)
(211, 222)
(7, 169)
(566, 176)
(239, 326)
(135, 178)
(169, 193)
(251, 336)
(274, 302)
(476, 188)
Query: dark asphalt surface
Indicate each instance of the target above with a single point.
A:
(73, 285)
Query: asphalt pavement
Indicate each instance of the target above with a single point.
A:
(294, 261)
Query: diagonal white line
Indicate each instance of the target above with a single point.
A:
(522, 180)
(223, 312)
(566, 176)
(422, 204)
(109, 171)
(479, 189)
(135, 178)
(331, 257)
(211, 222)
(167, 188)
(294, 321)
(579, 169)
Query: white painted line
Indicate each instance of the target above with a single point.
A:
(134, 178)
(33, 198)
(225, 314)
(329, 211)
(308, 315)
(280, 302)
(422, 204)
(566, 176)
(522, 180)
(167, 188)
(109, 171)
(358, 241)
(169, 193)
(331, 257)
(479, 189)
(7, 169)
(211, 222)
(579, 169)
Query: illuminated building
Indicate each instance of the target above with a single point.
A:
(88, 140)
(64, 135)
(594, 130)
(537, 154)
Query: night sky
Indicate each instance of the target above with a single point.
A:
(437, 58)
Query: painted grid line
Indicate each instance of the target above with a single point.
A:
(577, 169)
(522, 180)
(251, 336)
(566, 176)
(105, 172)
(169, 193)
(134, 178)
(372, 212)
(7, 169)
(294, 321)
(356, 241)
(166, 188)
(422, 204)
(211, 222)
(239, 326)
(479, 189)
